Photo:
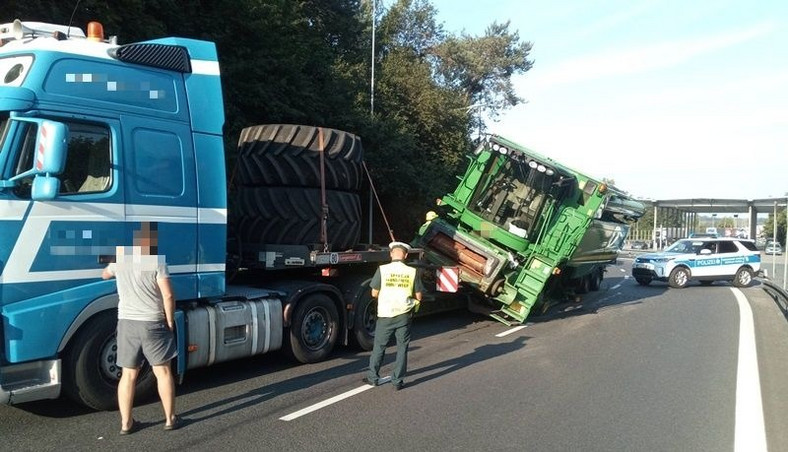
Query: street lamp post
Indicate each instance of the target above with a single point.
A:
(714, 220)
(774, 237)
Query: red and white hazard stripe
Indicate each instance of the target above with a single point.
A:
(448, 279)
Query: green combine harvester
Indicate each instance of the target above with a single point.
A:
(523, 230)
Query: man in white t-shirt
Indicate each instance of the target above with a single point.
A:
(146, 310)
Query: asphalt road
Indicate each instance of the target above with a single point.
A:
(626, 368)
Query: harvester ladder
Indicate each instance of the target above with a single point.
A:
(558, 246)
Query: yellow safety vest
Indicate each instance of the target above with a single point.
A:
(396, 288)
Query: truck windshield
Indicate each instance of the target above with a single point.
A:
(511, 194)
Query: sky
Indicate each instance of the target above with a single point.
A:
(671, 99)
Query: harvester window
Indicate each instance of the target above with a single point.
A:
(512, 196)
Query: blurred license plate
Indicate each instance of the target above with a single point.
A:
(647, 266)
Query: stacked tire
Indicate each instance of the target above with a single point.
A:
(279, 199)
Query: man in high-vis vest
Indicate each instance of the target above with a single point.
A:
(398, 290)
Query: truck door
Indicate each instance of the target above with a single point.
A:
(65, 239)
(160, 184)
(52, 252)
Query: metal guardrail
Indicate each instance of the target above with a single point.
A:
(779, 294)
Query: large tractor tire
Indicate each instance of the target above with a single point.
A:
(292, 216)
(290, 155)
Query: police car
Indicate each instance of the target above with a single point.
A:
(702, 259)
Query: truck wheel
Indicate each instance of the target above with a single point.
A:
(596, 280)
(364, 322)
(743, 277)
(583, 284)
(314, 330)
(291, 216)
(289, 155)
(643, 281)
(679, 278)
(90, 375)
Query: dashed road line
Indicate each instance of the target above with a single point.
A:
(331, 401)
(513, 330)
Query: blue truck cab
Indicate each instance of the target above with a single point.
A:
(95, 139)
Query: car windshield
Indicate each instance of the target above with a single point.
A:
(685, 246)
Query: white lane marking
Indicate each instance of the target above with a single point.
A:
(325, 403)
(616, 286)
(750, 433)
(513, 330)
(331, 401)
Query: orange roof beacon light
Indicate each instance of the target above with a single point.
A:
(95, 31)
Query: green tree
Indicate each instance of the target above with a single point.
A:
(482, 67)
(307, 62)
(428, 84)
(768, 226)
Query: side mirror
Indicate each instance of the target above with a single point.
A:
(45, 188)
(705, 252)
(51, 148)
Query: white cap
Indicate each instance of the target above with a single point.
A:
(402, 245)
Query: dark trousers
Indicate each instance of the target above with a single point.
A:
(385, 327)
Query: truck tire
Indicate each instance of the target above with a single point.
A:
(289, 155)
(743, 277)
(679, 278)
(596, 280)
(90, 375)
(364, 320)
(291, 216)
(314, 331)
(583, 284)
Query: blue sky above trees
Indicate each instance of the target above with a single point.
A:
(671, 99)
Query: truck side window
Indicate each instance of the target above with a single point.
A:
(89, 163)
(156, 154)
(88, 166)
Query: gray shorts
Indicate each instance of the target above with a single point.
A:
(137, 338)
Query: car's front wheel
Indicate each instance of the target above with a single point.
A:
(679, 278)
